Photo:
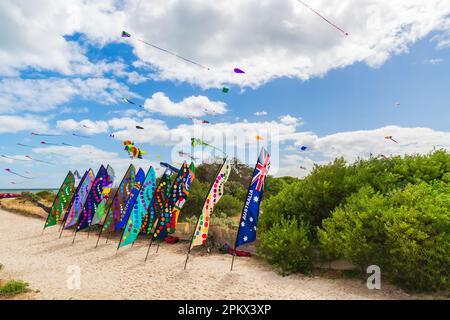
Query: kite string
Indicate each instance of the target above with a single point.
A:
(331, 23)
(174, 54)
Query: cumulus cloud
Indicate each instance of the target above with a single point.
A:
(260, 113)
(87, 127)
(18, 95)
(282, 39)
(14, 124)
(194, 106)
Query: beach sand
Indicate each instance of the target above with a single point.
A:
(43, 262)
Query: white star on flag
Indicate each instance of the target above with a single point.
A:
(251, 219)
(245, 238)
(242, 224)
(256, 198)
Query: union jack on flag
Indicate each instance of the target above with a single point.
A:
(261, 170)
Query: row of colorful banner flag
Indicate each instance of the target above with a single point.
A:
(140, 205)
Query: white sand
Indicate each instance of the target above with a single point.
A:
(42, 261)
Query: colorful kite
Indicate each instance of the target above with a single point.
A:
(186, 154)
(133, 151)
(126, 211)
(61, 202)
(303, 148)
(390, 138)
(80, 136)
(80, 199)
(11, 158)
(259, 138)
(169, 167)
(45, 134)
(325, 19)
(25, 145)
(72, 200)
(139, 127)
(225, 90)
(127, 35)
(131, 102)
(17, 174)
(237, 70)
(214, 195)
(199, 142)
(140, 209)
(37, 160)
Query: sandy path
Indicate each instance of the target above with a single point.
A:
(42, 261)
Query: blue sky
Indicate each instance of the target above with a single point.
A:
(344, 106)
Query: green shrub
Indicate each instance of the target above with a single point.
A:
(46, 195)
(406, 233)
(287, 246)
(229, 205)
(355, 230)
(13, 287)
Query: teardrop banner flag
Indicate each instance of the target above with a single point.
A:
(140, 209)
(183, 194)
(164, 226)
(215, 193)
(62, 200)
(100, 210)
(120, 198)
(93, 199)
(80, 199)
(125, 214)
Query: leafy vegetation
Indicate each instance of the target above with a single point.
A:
(13, 287)
(393, 213)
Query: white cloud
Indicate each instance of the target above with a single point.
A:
(194, 106)
(281, 39)
(14, 124)
(260, 113)
(435, 61)
(87, 127)
(17, 95)
(290, 120)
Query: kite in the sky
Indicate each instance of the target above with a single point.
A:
(85, 126)
(37, 160)
(66, 144)
(131, 102)
(303, 168)
(79, 135)
(25, 145)
(390, 138)
(185, 154)
(111, 135)
(45, 134)
(133, 151)
(11, 158)
(127, 35)
(139, 127)
(225, 90)
(199, 142)
(237, 70)
(325, 19)
(168, 166)
(259, 138)
(50, 143)
(303, 148)
(383, 156)
(199, 121)
(397, 104)
(17, 174)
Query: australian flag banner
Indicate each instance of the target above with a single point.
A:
(250, 213)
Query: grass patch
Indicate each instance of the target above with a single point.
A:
(12, 288)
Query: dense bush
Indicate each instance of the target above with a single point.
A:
(286, 245)
(13, 287)
(393, 213)
(406, 233)
(229, 205)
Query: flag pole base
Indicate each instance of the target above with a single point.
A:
(232, 262)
